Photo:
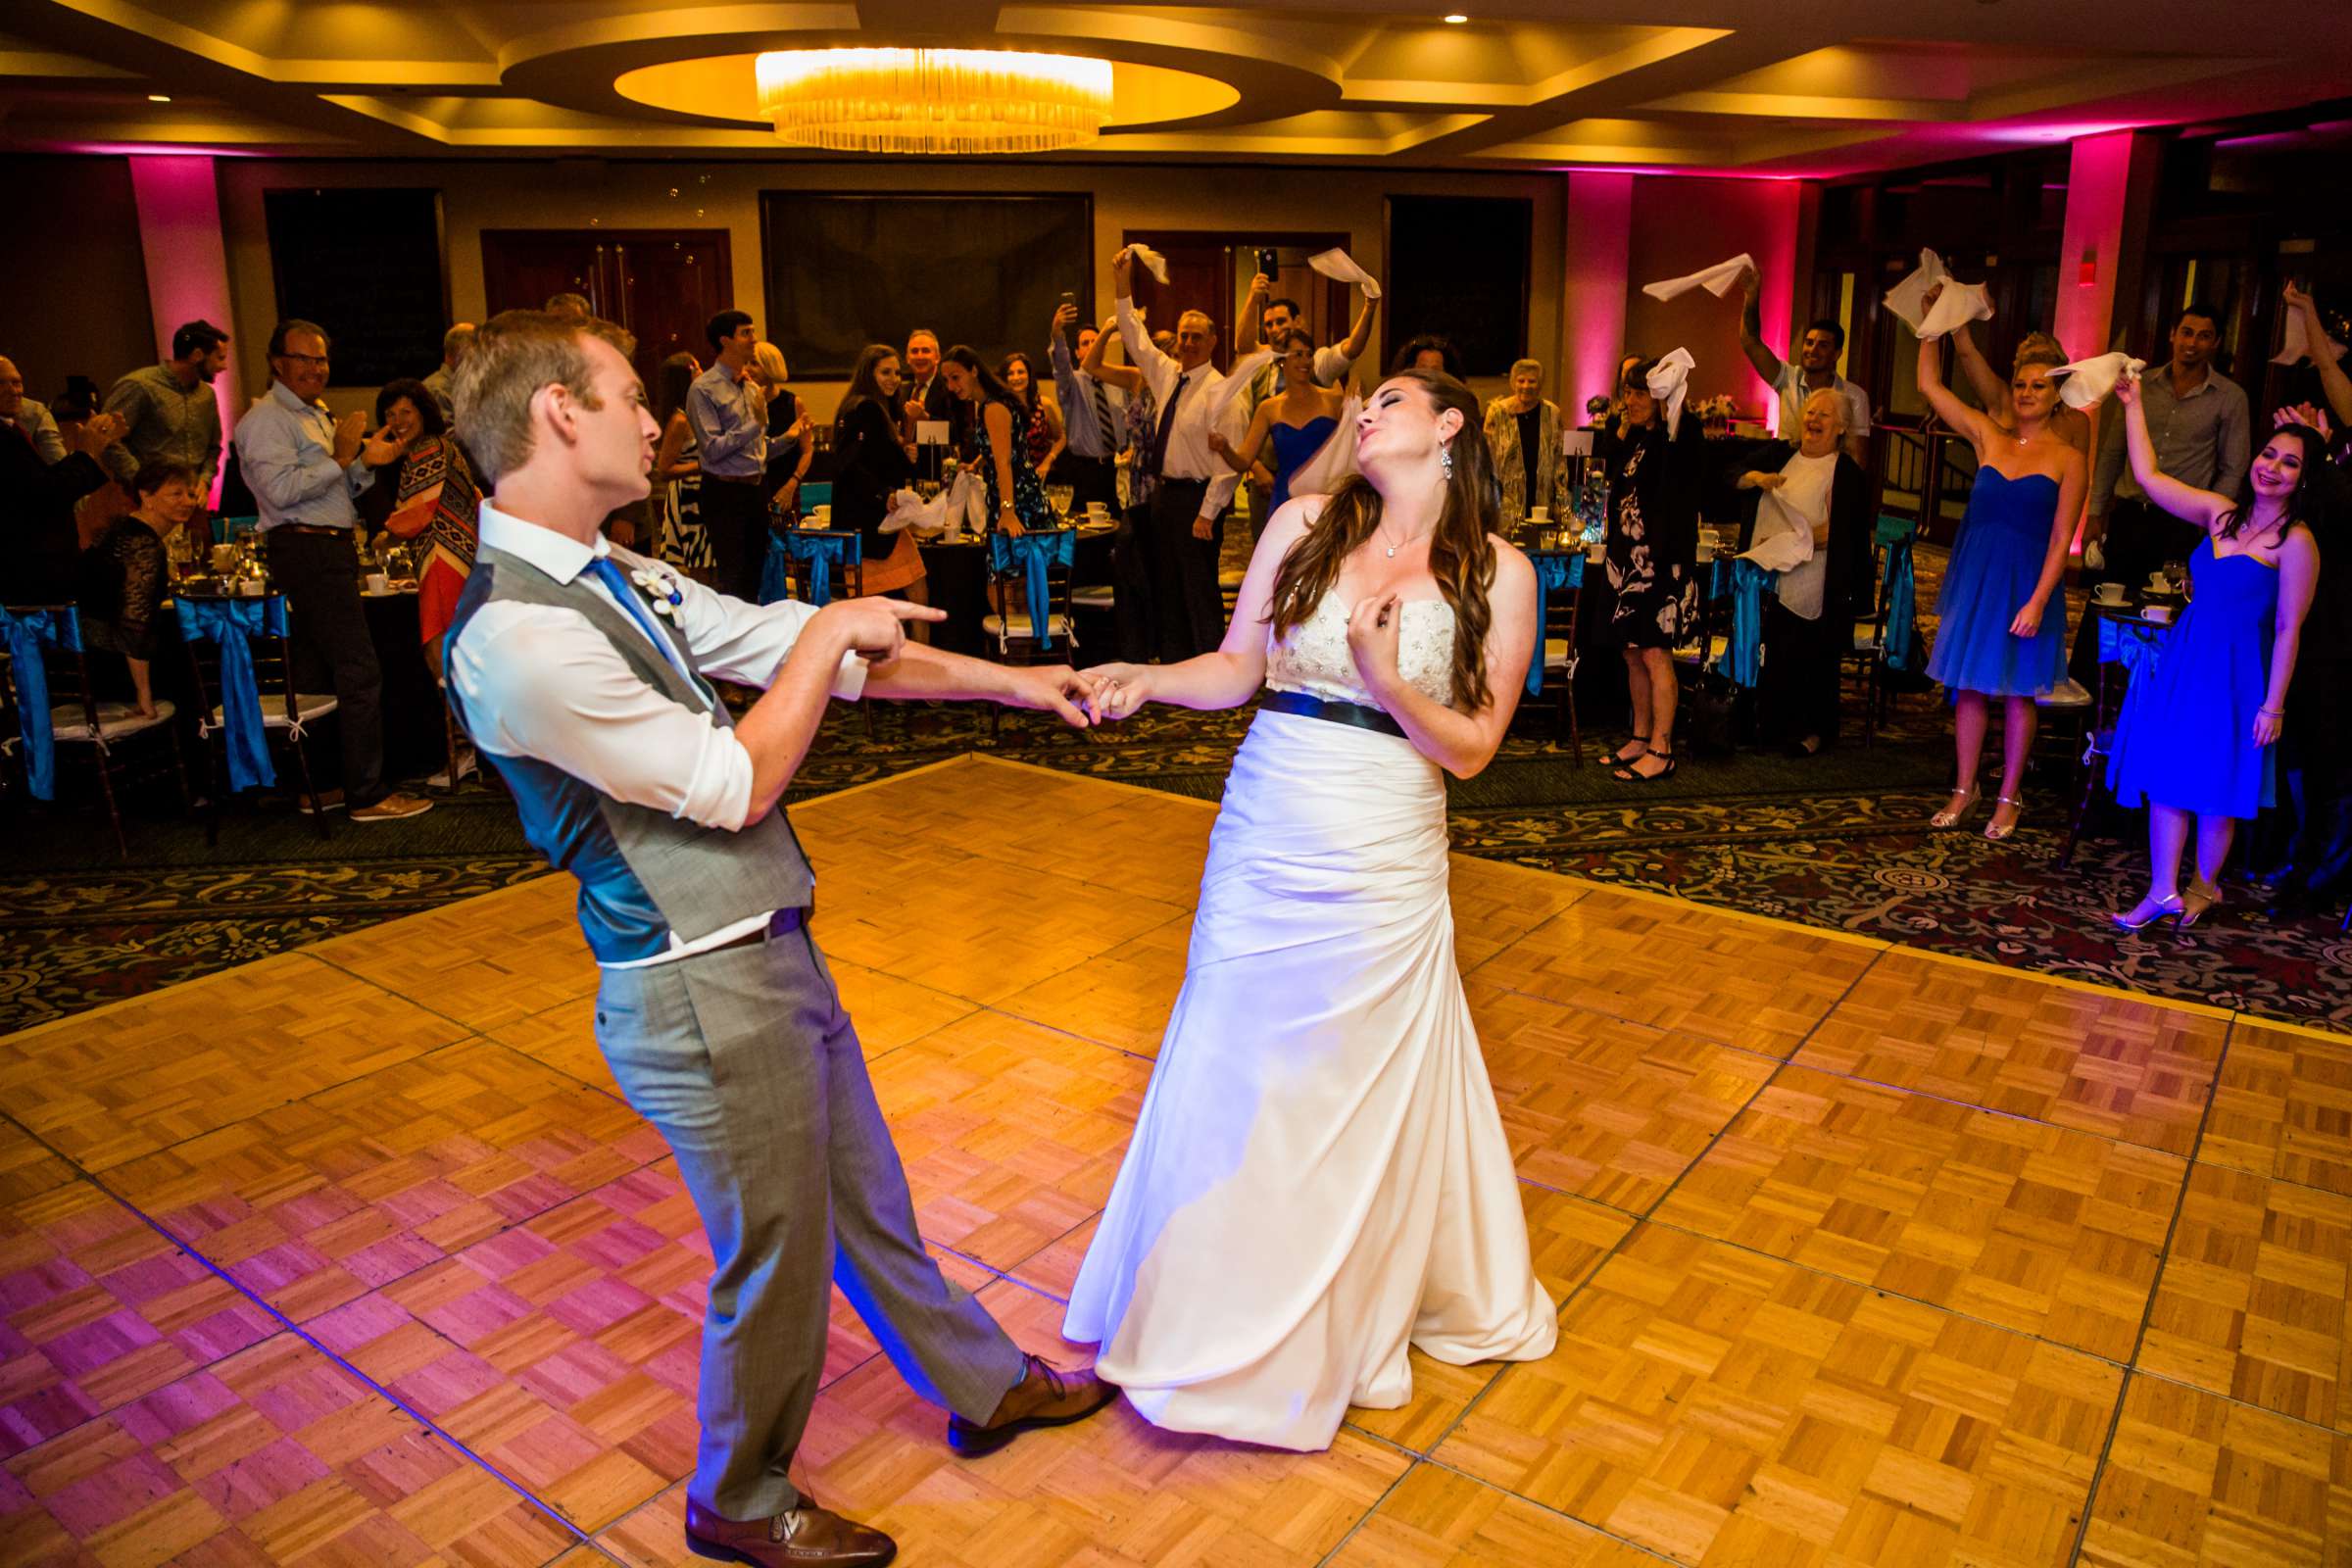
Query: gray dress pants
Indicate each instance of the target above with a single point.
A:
(747, 1063)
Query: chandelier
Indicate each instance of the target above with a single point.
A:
(933, 100)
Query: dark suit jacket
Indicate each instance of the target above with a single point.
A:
(1847, 586)
(941, 403)
(38, 543)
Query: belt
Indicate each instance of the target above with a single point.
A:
(784, 924)
(728, 479)
(309, 530)
(1355, 714)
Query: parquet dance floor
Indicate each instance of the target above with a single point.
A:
(353, 1256)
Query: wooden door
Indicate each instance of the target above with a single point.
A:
(1209, 271)
(661, 284)
(1197, 273)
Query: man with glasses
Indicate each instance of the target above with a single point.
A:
(305, 467)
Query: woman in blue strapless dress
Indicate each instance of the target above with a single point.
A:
(2197, 739)
(2002, 630)
(1298, 421)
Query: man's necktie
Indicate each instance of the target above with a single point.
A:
(1167, 423)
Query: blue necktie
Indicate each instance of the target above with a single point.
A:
(616, 582)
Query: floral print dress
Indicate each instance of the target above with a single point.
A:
(1653, 536)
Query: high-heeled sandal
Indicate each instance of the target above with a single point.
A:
(1620, 757)
(2146, 912)
(1994, 830)
(1629, 775)
(1951, 816)
(2196, 903)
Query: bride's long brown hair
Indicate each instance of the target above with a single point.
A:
(1461, 550)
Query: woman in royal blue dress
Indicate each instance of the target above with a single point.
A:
(2198, 737)
(1298, 422)
(2002, 618)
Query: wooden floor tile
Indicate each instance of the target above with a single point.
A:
(889, 1011)
(483, 962)
(2051, 1232)
(1437, 1519)
(112, 1085)
(1010, 1133)
(563, 1038)
(2253, 1300)
(27, 1168)
(1735, 982)
(317, 1202)
(1120, 999)
(1607, 1109)
(1495, 904)
(1721, 1408)
(2283, 1106)
(2097, 1061)
(97, 1310)
(274, 1456)
(2199, 1482)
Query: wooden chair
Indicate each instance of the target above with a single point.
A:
(286, 714)
(1563, 600)
(1008, 625)
(1865, 662)
(81, 726)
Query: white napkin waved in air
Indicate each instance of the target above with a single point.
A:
(1783, 552)
(2087, 381)
(1669, 383)
(1335, 460)
(1718, 281)
(1338, 264)
(1908, 299)
(1237, 381)
(1153, 263)
(2295, 347)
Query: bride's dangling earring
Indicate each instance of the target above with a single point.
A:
(1445, 463)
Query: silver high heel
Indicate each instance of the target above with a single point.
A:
(2158, 909)
(1994, 830)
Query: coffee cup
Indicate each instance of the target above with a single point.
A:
(2159, 613)
(2109, 593)
(2159, 581)
(1097, 511)
(1706, 549)
(1539, 514)
(250, 587)
(379, 583)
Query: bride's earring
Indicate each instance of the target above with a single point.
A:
(1445, 462)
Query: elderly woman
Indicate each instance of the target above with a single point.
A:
(1523, 431)
(126, 573)
(1813, 488)
(436, 500)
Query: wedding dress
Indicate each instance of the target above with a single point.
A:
(1319, 1175)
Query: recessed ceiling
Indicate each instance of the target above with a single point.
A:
(1739, 86)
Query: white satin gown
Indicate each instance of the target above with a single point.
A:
(1319, 1177)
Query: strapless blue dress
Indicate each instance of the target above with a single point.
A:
(2187, 736)
(1996, 563)
(1294, 445)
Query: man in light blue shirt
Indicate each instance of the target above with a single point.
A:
(304, 469)
(1090, 413)
(729, 419)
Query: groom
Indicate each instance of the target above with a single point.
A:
(583, 674)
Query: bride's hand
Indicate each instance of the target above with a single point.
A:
(1119, 690)
(1374, 630)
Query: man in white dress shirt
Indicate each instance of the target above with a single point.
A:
(583, 674)
(1191, 485)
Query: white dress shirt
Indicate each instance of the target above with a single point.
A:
(541, 681)
(1189, 454)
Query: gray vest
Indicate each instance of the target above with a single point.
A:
(643, 873)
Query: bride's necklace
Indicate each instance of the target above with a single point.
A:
(1399, 544)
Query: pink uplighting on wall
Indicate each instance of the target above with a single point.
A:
(1601, 227)
(187, 260)
(2098, 175)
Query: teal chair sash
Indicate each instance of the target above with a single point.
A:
(24, 632)
(230, 624)
(1037, 551)
(1555, 569)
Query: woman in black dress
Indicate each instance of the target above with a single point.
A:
(1655, 477)
(871, 461)
(126, 576)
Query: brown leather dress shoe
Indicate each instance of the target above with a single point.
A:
(1044, 1398)
(807, 1537)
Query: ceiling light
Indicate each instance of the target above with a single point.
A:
(969, 101)
(1455, 18)
(159, 97)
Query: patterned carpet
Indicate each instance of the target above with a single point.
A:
(1832, 841)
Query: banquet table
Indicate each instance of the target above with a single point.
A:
(956, 572)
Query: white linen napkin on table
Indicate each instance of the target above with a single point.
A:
(1669, 383)
(1718, 281)
(1338, 264)
(2087, 381)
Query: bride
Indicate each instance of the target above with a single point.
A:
(1319, 1177)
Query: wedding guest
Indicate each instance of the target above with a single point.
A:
(31, 418)
(789, 448)
(678, 470)
(2068, 424)
(1016, 502)
(170, 409)
(928, 399)
(730, 429)
(2002, 618)
(405, 410)
(2204, 437)
(126, 575)
(38, 540)
(1267, 322)
(1814, 369)
(1523, 430)
(437, 501)
(306, 468)
(1654, 477)
(1816, 488)
(1090, 411)
(1299, 422)
(1134, 568)
(454, 344)
(1046, 438)
(1430, 354)
(1193, 486)
(871, 462)
(2197, 738)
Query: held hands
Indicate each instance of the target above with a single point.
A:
(876, 629)
(1119, 690)
(1374, 628)
(1058, 689)
(2029, 620)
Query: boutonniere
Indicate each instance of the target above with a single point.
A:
(660, 587)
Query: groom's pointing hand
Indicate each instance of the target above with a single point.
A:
(1053, 687)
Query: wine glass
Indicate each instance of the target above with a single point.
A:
(1058, 497)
